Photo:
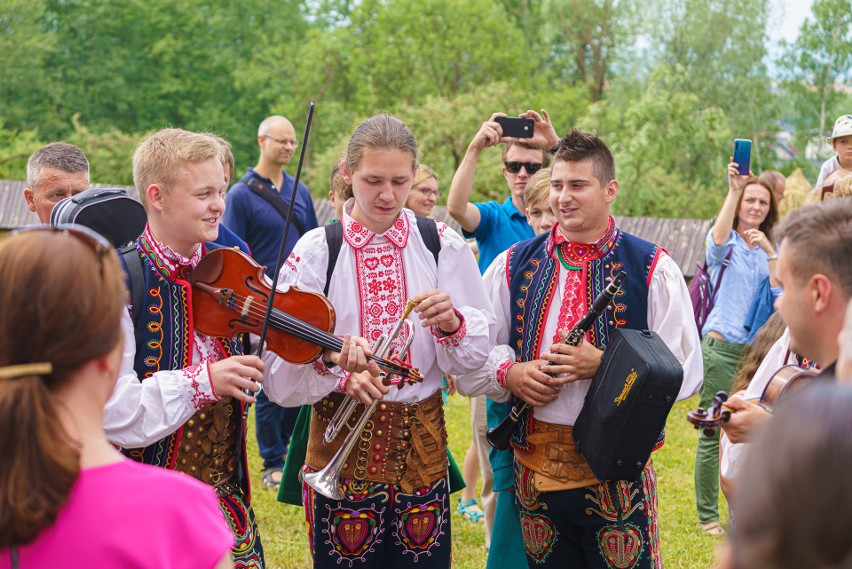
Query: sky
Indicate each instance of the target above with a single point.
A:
(791, 14)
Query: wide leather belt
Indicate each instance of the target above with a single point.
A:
(554, 459)
(404, 444)
(208, 443)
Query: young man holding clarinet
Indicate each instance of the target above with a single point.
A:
(542, 289)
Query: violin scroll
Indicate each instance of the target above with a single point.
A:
(710, 419)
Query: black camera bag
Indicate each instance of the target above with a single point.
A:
(627, 404)
(109, 211)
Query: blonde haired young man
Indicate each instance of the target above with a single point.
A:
(192, 418)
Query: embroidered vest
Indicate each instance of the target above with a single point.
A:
(533, 276)
(210, 446)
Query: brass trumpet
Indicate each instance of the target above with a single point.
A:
(325, 481)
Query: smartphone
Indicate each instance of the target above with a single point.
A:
(742, 155)
(516, 127)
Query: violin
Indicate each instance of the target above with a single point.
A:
(230, 295)
(786, 381)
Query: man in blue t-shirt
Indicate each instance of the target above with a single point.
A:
(497, 227)
(256, 210)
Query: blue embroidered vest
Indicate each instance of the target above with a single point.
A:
(533, 275)
(164, 341)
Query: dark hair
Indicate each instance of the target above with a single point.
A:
(381, 132)
(545, 155)
(577, 146)
(62, 304)
(58, 156)
(819, 239)
(771, 220)
(753, 355)
(793, 508)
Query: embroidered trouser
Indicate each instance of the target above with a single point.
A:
(720, 364)
(378, 526)
(580, 528)
(247, 551)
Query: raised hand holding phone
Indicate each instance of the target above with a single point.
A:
(516, 127)
(742, 155)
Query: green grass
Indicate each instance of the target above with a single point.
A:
(284, 532)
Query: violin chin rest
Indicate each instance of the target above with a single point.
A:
(210, 266)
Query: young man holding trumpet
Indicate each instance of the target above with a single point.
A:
(384, 502)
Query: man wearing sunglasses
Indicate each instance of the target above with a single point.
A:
(257, 208)
(496, 227)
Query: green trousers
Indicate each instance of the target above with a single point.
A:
(720, 364)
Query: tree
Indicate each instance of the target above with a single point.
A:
(818, 62)
(670, 148)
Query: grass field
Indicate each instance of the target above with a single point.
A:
(684, 546)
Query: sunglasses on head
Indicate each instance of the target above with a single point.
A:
(92, 239)
(531, 167)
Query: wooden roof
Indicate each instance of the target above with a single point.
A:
(682, 238)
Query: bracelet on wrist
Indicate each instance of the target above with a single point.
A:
(772, 258)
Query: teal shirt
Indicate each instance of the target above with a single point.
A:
(500, 227)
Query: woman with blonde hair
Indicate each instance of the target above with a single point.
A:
(424, 192)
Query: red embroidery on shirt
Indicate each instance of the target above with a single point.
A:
(358, 236)
(502, 372)
(192, 373)
(454, 339)
(292, 263)
(573, 304)
(381, 289)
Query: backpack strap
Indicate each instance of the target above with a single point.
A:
(725, 262)
(334, 239)
(135, 279)
(427, 227)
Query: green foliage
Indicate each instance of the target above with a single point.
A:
(816, 65)
(670, 149)
(110, 153)
(15, 147)
(672, 81)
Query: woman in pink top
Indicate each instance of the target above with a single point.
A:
(68, 498)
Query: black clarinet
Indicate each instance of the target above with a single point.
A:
(499, 436)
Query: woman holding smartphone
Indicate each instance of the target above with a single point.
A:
(739, 239)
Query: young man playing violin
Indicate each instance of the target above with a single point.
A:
(815, 272)
(181, 402)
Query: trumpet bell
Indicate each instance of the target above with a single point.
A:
(325, 482)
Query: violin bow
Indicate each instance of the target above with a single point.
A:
(287, 224)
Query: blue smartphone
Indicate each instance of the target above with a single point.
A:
(742, 155)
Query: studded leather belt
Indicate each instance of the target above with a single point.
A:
(554, 460)
(403, 443)
(207, 448)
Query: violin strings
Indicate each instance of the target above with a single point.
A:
(313, 334)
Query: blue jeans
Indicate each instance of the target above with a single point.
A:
(273, 427)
